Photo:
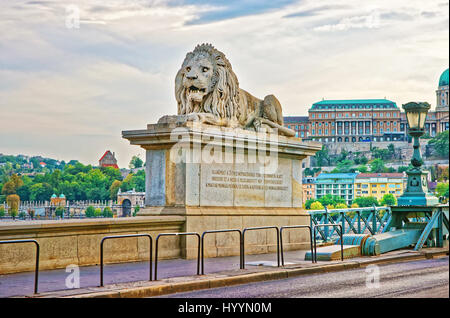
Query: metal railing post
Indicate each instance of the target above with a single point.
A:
(219, 231)
(260, 228)
(124, 236)
(36, 270)
(177, 234)
(294, 227)
(341, 239)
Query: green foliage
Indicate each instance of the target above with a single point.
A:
(345, 166)
(13, 201)
(317, 206)
(388, 200)
(377, 166)
(362, 169)
(97, 212)
(107, 212)
(441, 143)
(322, 157)
(366, 201)
(330, 200)
(2, 211)
(75, 180)
(136, 162)
(59, 211)
(341, 206)
(114, 188)
(442, 189)
(308, 203)
(90, 211)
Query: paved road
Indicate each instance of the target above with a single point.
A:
(424, 279)
(20, 284)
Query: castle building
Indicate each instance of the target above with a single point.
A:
(108, 160)
(367, 120)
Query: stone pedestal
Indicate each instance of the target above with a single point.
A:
(224, 178)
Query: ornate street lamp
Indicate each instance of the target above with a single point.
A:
(416, 192)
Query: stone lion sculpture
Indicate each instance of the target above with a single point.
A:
(207, 90)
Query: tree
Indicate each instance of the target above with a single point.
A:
(366, 201)
(317, 206)
(322, 157)
(388, 200)
(114, 188)
(13, 201)
(41, 192)
(377, 166)
(441, 143)
(9, 188)
(308, 203)
(135, 162)
(345, 165)
(441, 189)
(330, 200)
(362, 169)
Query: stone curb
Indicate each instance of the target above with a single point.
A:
(171, 288)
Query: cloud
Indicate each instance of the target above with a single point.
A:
(69, 93)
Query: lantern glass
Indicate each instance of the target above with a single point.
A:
(413, 119)
(416, 113)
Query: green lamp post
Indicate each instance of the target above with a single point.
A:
(416, 192)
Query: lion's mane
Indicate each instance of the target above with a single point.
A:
(223, 98)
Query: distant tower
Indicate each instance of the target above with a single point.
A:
(442, 106)
(108, 160)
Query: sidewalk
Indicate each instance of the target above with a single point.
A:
(131, 279)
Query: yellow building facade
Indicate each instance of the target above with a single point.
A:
(378, 184)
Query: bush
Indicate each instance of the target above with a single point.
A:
(354, 205)
(59, 211)
(97, 212)
(317, 206)
(90, 211)
(22, 215)
(330, 206)
(107, 212)
(2, 211)
(341, 206)
(388, 200)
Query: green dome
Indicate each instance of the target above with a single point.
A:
(53, 196)
(62, 196)
(443, 80)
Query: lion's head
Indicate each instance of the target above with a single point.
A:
(207, 84)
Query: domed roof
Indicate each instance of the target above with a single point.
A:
(53, 196)
(443, 80)
(62, 196)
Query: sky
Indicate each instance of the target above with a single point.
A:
(75, 74)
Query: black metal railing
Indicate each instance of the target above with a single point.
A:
(340, 234)
(123, 236)
(36, 270)
(221, 231)
(176, 234)
(259, 228)
(295, 227)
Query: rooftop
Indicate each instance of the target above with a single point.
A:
(336, 175)
(354, 103)
(443, 80)
(380, 175)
